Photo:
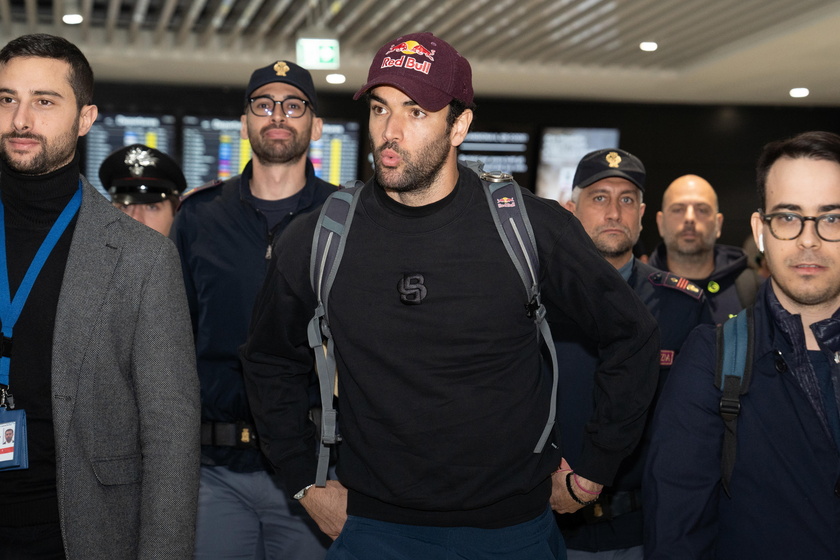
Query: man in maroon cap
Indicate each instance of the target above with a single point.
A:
(441, 387)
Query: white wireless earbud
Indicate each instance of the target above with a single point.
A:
(761, 242)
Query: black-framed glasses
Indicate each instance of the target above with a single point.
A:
(789, 225)
(292, 107)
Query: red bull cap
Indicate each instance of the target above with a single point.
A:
(427, 69)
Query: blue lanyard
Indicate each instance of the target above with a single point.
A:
(10, 309)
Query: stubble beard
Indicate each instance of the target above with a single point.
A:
(806, 291)
(613, 250)
(280, 152)
(52, 156)
(690, 252)
(416, 175)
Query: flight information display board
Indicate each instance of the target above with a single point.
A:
(561, 151)
(336, 155)
(213, 149)
(508, 151)
(113, 131)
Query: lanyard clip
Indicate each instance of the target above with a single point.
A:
(6, 399)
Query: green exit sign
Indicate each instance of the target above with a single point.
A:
(318, 54)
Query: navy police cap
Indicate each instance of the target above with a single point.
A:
(284, 72)
(138, 174)
(602, 164)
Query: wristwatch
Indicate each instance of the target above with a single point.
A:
(302, 493)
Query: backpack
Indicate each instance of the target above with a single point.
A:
(733, 373)
(506, 203)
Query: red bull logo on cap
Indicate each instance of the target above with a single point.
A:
(412, 47)
(409, 48)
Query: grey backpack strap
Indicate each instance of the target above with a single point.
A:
(732, 377)
(327, 249)
(508, 209)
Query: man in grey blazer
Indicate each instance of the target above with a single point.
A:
(100, 356)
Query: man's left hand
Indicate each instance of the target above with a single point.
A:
(561, 501)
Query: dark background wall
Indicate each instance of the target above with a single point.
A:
(719, 143)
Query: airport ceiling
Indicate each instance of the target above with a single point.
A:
(710, 51)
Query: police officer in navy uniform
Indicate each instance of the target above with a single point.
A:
(607, 199)
(225, 232)
(145, 183)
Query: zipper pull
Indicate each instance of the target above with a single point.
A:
(268, 249)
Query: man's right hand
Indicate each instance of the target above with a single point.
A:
(327, 506)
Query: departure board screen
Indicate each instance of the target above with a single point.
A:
(508, 151)
(213, 149)
(113, 131)
(561, 151)
(336, 155)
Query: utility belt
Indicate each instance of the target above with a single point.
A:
(609, 506)
(240, 435)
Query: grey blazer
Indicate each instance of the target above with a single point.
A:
(125, 393)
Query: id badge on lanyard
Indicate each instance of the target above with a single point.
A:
(14, 448)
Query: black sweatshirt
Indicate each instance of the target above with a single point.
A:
(443, 402)
(31, 206)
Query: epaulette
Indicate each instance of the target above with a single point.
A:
(669, 280)
(204, 187)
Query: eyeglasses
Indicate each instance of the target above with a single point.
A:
(292, 107)
(788, 225)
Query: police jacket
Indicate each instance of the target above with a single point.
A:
(225, 249)
(731, 286)
(785, 487)
(678, 306)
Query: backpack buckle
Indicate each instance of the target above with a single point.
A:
(729, 408)
(532, 307)
(496, 177)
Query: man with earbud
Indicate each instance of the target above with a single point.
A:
(780, 499)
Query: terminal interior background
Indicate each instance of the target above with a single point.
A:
(553, 80)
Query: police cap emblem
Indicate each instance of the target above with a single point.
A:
(613, 159)
(138, 159)
(281, 68)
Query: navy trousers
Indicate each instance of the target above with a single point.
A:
(363, 539)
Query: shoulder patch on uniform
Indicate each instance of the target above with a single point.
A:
(669, 280)
(204, 187)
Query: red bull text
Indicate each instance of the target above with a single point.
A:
(407, 62)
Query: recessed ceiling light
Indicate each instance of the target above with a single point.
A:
(648, 46)
(799, 92)
(336, 78)
(72, 13)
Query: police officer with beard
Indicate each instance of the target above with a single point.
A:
(607, 198)
(225, 233)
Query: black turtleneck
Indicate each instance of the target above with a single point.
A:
(31, 206)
